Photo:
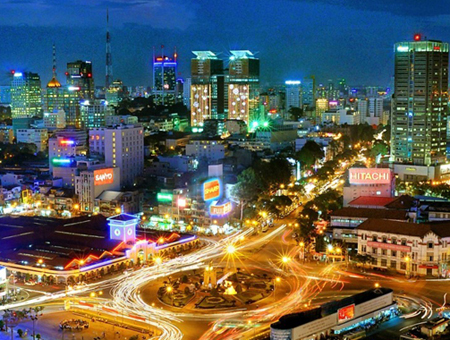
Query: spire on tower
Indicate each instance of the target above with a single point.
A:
(54, 61)
(109, 75)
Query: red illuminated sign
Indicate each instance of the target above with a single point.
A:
(369, 176)
(103, 176)
(211, 190)
(417, 37)
(396, 247)
(346, 313)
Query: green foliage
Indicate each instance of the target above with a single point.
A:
(38, 336)
(20, 332)
(379, 148)
(187, 291)
(238, 289)
(361, 133)
(184, 279)
(134, 337)
(12, 154)
(309, 154)
(248, 186)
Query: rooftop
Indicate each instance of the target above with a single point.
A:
(298, 319)
(371, 213)
(440, 228)
(373, 201)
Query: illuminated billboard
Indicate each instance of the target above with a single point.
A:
(369, 176)
(220, 210)
(211, 189)
(103, 176)
(346, 313)
(164, 197)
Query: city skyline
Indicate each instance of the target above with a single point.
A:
(319, 36)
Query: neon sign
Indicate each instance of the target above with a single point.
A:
(164, 197)
(61, 161)
(369, 176)
(103, 176)
(346, 313)
(211, 189)
(67, 142)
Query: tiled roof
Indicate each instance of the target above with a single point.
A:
(441, 229)
(371, 213)
(369, 200)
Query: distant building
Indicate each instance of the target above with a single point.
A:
(55, 120)
(209, 150)
(38, 137)
(341, 116)
(293, 94)
(93, 113)
(243, 87)
(79, 75)
(165, 79)
(117, 120)
(26, 99)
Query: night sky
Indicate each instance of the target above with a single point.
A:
(293, 38)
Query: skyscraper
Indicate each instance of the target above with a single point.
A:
(419, 104)
(79, 75)
(207, 88)
(243, 87)
(293, 93)
(26, 99)
(309, 91)
(165, 79)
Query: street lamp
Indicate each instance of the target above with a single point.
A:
(285, 259)
(231, 249)
(407, 260)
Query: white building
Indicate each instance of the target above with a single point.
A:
(89, 184)
(38, 137)
(293, 94)
(123, 147)
(55, 120)
(371, 110)
(341, 116)
(63, 148)
(410, 248)
(211, 150)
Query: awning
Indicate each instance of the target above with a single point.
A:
(429, 266)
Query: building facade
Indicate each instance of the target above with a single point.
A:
(419, 105)
(26, 101)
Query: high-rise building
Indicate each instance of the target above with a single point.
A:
(243, 87)
(309, 91)
(371, 110)
(207, 88)
(114, 93)
(419, 104)
(123, 147)
(79, 76)
(293, 93)
(26, 99)
(93, 113)
(165, 79)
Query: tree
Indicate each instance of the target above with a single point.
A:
(379, 148)
(184, 279)
(248, 186)
(295, 112)
(20, 332)
(309, 154)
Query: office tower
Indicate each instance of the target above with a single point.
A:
(371, 110)
(109, 73)
(122, 147)
(165, 79)
(243, 87)
(321, 107)
(309, 91)
(186, 92)
(79, 76)
(419, 104)
(93, 113)
(207, 88)
(114, 93)
(293, 94)
(25, 95)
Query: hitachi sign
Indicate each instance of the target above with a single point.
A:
(369, 176)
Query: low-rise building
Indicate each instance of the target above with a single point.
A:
(55, 120)
(38, 137)
(210, 150)
(343, 222)
(337, 317)
(410, 248)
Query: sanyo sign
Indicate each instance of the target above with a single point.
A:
(103, 176)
